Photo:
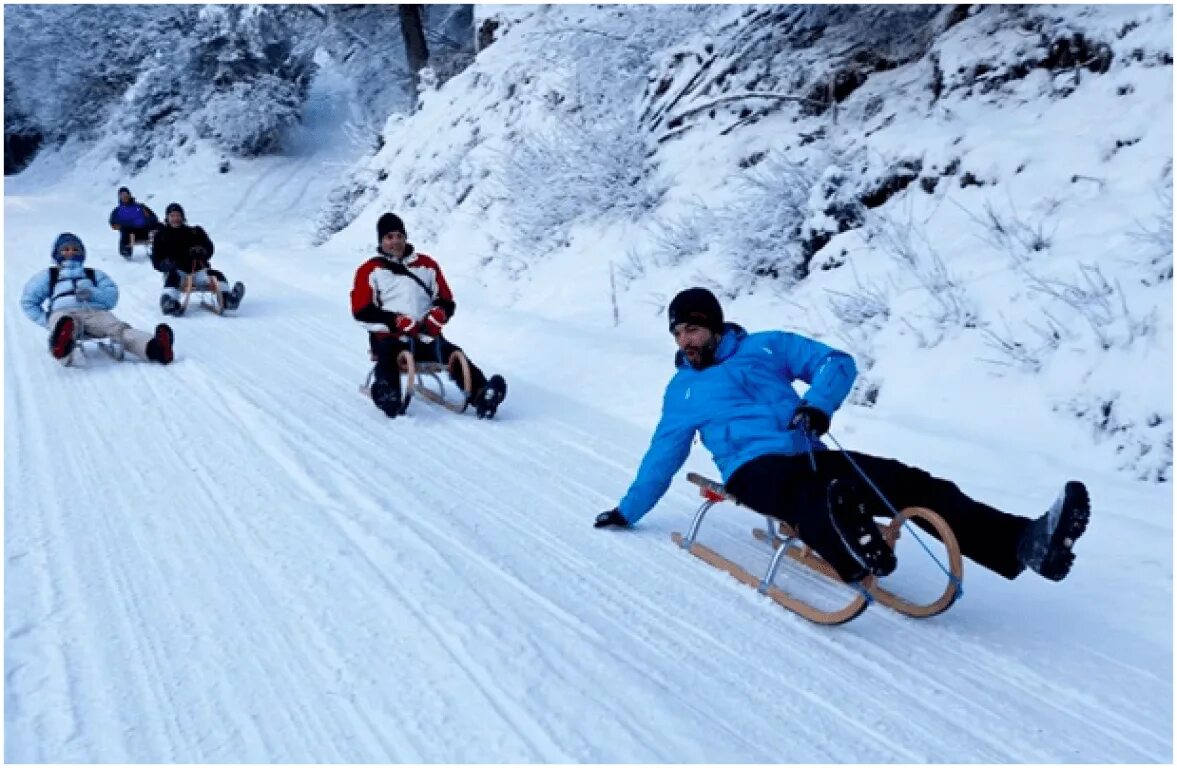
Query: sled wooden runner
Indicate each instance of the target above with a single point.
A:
(217, 304)
(851, 610)
(785, 542)
(132, 241)
(433, 370)
(416, 371)
(404, 361)
(114, 348)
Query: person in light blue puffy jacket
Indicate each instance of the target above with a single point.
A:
(735, 390)
(75, 300)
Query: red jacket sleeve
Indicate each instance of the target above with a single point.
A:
(443, 297)
(361, 290)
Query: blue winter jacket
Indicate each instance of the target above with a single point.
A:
(740, 406)
(133, 215)
(71, 275)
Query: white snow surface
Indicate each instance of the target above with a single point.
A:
(237, 558)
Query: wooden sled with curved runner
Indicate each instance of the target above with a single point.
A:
(78, 357)
(139, 248)
(209, 287)
(425, 378)
(786, 544)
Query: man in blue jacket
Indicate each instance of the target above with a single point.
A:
(132, 218)
(735, 389)
(74, 300)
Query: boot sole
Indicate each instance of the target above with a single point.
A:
(862, 538)
(387, 399)
(63, 341)
(164, 339)
(1072, 523)
(486, 408)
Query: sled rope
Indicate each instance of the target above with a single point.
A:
(910, 528)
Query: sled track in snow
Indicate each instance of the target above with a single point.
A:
(265, 568)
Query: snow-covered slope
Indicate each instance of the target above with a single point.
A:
(238, 559)
(999, 234)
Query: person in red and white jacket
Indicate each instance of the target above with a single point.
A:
(403, 299)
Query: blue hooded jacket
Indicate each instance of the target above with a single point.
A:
(133, 215)
(740, 406)
(71, 275)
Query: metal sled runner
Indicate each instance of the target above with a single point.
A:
(786, 544)
(425, 377)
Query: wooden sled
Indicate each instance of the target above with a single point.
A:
(113, 348)
(139, 248)
(209, 285)
(786, 543)
(426, 378)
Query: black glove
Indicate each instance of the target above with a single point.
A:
(810, 419)
(198, 252)
(611, 519)
(165, 265)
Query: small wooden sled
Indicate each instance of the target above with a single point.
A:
(425, 378)
(786, 543)
(139, 248)
(113, 348)
(208, 285)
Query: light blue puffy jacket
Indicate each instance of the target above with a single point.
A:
(740, 406)
(71, 275)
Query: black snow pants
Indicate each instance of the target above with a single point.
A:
(141, 235)
(386, 347)
(788, 488)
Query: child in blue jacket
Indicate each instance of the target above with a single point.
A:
(74, 300)
(735, 390)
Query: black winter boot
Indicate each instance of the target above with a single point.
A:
(61, 340)
(855, 524)
(1045, 546)
(486, 402)
(159, 349)
(169, 305)
(386, 394)
(233, 298)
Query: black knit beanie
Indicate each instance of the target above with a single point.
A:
(175, 207)
(389, 222)
(697, 306)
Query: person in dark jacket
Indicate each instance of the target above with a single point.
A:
(735, 389)
(132, 218)
(403, 299)
(181, 250)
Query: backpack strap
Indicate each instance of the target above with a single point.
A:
(55, 272)
(397, 268)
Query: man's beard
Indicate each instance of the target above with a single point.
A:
(706, 353)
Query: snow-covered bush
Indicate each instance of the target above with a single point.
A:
(905, 241)
(67, 65)
(574, 168)
(1155, 235)
(250, 74)
(761, 230)
(589, 154)
(156, 76)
